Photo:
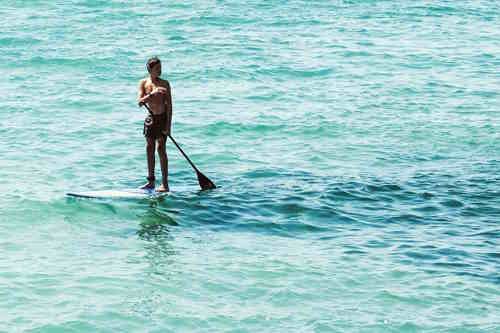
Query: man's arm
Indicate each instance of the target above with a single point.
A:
(168, 106)
(141, 98)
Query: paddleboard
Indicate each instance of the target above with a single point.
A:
(132, 193)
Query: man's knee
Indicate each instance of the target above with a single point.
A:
(150, 145)
(161, 146)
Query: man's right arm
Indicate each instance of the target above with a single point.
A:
(142, 97)
(142, 92)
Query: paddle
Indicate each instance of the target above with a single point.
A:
(205, 183)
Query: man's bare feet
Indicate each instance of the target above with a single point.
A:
(163, 188)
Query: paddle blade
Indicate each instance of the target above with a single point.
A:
(205, 183)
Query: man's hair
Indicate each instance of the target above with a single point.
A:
(151, 63)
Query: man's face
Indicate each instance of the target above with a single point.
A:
(156, 70)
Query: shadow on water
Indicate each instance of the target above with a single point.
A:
(288, 203)
(155, 225)
(411, 215)
(155, 232)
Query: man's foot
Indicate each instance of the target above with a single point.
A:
(150, 185)
(163, 188)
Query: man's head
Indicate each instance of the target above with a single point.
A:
(154, 66)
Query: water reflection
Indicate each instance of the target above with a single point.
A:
(154, 229)
(154, 225)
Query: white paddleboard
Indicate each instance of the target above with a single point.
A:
(132, 193)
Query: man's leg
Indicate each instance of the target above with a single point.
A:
(162, 153)
(150, 152)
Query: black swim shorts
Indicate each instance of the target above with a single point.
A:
(159, 125)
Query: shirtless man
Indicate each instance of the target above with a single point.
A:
(156, 93)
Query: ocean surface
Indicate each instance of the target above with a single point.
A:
(355, 146)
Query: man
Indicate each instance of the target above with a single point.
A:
(156, 93)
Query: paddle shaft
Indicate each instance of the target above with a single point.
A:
(183, 153)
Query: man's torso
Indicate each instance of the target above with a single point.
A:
(156, 103)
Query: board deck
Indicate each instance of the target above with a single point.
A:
(131, 193)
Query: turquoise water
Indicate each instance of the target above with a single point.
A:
(355, 145)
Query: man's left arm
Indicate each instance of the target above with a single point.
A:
(168, 105)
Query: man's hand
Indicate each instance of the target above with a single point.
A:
(159, 90)
(156, 91)
(143, 99)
